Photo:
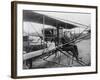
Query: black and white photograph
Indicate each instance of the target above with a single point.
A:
(53, 39)
(56, 39)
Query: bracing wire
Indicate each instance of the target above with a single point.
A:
(70, 41)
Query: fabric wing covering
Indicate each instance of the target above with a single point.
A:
(32, 16)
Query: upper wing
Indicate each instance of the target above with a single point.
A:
(44, 19)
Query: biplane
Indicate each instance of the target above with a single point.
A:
(53, 40)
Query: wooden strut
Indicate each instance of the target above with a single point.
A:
(48, 54)
(58, 48)
(78, 61)
(53, 51)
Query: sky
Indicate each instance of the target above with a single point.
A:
(82, 18)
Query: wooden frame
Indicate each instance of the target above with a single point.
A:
(14, 38)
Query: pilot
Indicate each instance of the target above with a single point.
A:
(69, 46)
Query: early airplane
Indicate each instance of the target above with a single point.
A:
(55, 36)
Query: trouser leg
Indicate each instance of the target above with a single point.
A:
(73, 49)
